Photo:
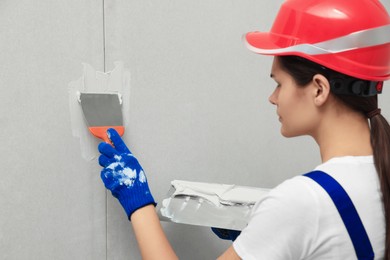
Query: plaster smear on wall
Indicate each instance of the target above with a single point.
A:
(92, 81)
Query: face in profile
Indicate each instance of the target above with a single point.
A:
(294, 104)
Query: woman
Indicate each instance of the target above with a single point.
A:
(331, 58)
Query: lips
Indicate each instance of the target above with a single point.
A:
(279, 117)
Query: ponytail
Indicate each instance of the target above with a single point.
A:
(380, 141)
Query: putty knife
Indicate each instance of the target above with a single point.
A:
(101, 112)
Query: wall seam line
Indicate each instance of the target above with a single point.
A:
(104, 37)
(104, 69)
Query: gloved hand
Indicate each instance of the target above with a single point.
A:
(226, 234)
(123, 175)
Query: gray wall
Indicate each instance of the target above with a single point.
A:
(198, 111)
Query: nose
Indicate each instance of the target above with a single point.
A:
(272, 98)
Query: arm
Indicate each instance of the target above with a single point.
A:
(124, 177)
(229, 254)
(227, 234)
(151, 238)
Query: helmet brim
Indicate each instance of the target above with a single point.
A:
(350, 62)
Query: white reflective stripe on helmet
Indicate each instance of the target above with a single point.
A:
(356, 40)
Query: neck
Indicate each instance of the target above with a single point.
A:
(343, 134)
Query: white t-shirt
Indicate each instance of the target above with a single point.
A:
(298, 219)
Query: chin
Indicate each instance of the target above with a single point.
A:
(288, 134)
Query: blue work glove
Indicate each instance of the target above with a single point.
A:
(226, 234)
(123, 175)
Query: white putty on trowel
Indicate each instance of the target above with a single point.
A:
(210, 204)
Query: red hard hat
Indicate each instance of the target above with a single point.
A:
(351, 37)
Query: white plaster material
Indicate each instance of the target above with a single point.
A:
(92, 81)
(124, 175)
(218, 194)
(210, 204)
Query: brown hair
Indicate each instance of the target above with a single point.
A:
(303, 70)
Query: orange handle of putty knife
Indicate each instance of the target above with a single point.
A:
(101, 132)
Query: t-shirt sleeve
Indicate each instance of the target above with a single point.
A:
(282, 224)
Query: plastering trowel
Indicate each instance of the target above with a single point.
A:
(101, 112)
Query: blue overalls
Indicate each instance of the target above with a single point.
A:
(348, 213)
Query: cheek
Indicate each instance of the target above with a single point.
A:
(297, 119)
(295, 126)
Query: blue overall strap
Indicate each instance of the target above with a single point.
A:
(348, 213)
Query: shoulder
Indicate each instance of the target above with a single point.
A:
(297, 200)
(287, 212)
(298, 220)
(292, 194)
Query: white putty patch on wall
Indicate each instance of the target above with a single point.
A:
(92, 81)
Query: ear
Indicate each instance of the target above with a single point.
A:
(321, 89)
